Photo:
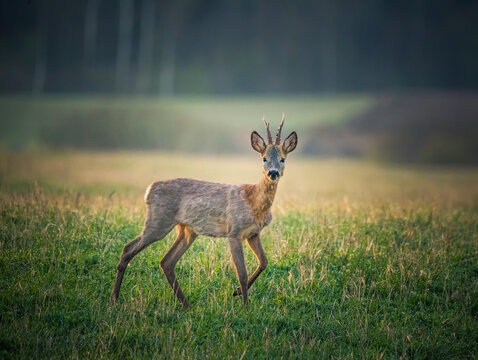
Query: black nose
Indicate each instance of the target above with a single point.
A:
(273, 174)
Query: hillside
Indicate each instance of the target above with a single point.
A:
(421, 127)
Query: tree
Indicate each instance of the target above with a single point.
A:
(123, 56)
(90, 33)
(146, 46)
(41, 47)
(172, 16)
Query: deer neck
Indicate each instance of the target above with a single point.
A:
(261, 196)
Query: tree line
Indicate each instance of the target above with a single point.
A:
(238, 46)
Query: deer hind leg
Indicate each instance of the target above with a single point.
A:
(241, 272)
(152, 232)
(256, 246)
(185, 238)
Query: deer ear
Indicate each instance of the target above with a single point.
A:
(257, 142)
(290, 142)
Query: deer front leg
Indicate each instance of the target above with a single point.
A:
(238, 257)
(183, 241)
(256, 246)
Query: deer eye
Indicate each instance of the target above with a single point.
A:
(282, 160)
(264, 159)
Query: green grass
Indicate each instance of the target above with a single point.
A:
(372, 262)
(217, 124)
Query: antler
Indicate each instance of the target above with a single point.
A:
(269, 136)
(279, 130)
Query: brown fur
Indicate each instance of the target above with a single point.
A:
(194, 207)
(260, 197)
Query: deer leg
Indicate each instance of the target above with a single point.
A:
(241, 271)
(183, 241)
(121, 268)
(149, 235)
(256, 246)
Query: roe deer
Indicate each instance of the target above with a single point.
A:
(238, 212)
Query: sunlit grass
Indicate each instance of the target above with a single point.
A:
(365, 261)
(237, 112)
(214, 124)
(308, 182)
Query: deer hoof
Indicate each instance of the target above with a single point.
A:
(186, 306)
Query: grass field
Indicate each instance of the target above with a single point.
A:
(214, 124)
(365, 261)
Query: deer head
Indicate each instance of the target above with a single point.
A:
(273, 154)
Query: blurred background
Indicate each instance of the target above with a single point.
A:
(377, 79)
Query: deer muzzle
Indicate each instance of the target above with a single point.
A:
(273, 174)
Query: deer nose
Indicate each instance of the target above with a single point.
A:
(273, 174)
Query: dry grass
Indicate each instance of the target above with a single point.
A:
(308, 183)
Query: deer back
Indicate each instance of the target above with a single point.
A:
(211, 209)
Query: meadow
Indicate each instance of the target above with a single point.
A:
(186, 123)
(365, 261)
